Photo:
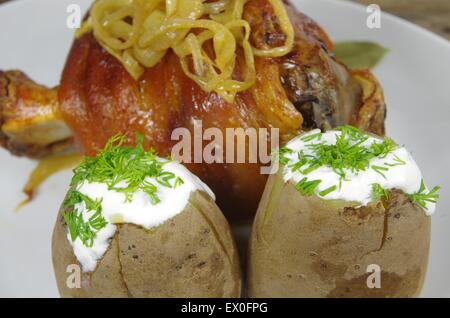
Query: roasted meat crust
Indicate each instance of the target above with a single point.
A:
(97, 98)
(323, 89)
(371, 114)
(30, 122)
(306, 89)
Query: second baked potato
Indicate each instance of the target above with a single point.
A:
(320, 233)
(165, 237)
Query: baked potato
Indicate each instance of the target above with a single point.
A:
(186, 253)
(306, 242)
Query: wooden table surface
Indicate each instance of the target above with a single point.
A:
(431, 14)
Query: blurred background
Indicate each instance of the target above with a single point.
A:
(434, 15)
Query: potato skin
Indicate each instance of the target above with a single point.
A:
(308, 247)
(190, 255)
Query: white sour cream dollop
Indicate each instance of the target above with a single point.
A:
(139, 210)
(358, 185)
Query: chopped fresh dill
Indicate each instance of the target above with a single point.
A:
(78, 227)
(125, 169)
(282, 152)
(164, 178)
(150, 189)
(178, 182)
(378, 192)
(346, 153)
(311, 168)
(122, 168)
(381, 150)
(421, 197)
(301, 161)
(397, 162)
(76, 197)
(309, 138)
(327, 191)
(379, 170)
(351, 131)
(307, 187)
(350, 153)
(97, 221)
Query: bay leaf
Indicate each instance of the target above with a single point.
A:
(359, 54)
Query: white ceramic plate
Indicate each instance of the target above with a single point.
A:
(415, 76)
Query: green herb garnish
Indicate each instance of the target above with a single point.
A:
(348, 153)
(327, 191)
(421, 197)
(78, 227)
(307, 187)
(309, 138)
(378, 192)
(150, 189)
(97, 221)
(282, 158)
(311, 168)
(178, 182)
(382, 149)
(125, 169)
(352, 132)
(122, 168)
(397, 162)
(76, 197)
(379, 170)
(85, 231)
(301, 161)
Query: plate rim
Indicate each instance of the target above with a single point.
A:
(385, 15)
(407, 26)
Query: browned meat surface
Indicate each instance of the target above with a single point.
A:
(30, 121)
(307, 88)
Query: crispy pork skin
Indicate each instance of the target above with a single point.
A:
(97, 98)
